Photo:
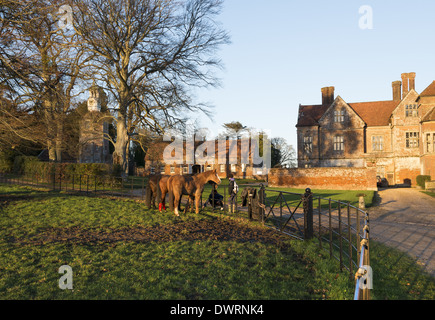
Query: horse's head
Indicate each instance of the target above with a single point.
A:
(213, 176)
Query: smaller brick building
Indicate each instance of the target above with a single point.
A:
(397, 136)
(229, 161)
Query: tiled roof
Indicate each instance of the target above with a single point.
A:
(310, 115)
(375, 113)
(429, 91)
(430, 116)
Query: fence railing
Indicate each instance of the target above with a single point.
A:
(340, 228)
(82, 183)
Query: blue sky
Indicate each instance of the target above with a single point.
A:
(284, 51)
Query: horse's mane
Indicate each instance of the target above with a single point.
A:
(204, 174)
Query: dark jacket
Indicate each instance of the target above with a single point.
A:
(231, 186)
(245, 195)
(217, 197)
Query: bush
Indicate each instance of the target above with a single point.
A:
(6, 161)
(25, 165)
(30, 166)
(421, 181)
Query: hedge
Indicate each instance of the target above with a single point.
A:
(6, 161)
(30, 166)
(421, 181)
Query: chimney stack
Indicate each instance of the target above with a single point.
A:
(328, 95)
(408, 81)
(411, 77)
(405, 83)
(397, 90)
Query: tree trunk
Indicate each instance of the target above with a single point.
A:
(120, 155)
(51, 131)
(59, 140)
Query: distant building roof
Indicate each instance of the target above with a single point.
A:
(375, 113)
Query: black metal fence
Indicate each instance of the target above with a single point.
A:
(340, 228)
(133, 187)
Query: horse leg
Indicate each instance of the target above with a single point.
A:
(153, 199)
(197, 202)
(176, 197)
(162, 205)
(148, 196)
(191, 202)
(187, 204)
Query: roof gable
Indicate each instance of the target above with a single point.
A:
(411, 97)
(340, 103)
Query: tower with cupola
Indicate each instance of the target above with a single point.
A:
(94, 129)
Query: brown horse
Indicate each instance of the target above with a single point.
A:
(193, 186)
(153, 190)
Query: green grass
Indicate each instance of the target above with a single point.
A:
(432, 194)
(168, 268)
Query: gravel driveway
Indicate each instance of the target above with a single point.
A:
(405, 219)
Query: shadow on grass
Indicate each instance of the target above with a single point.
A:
(8, 197)
(398, 276)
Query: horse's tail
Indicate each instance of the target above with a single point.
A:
(171, 197)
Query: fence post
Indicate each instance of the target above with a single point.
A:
(143, 186)
(307, 200)
(262, 203)
(250, 206)
(362, 203)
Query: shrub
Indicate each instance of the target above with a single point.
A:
(6, 160)
(25, 165)
(30, 166)
(421, 180)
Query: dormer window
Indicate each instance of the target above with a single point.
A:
(411, 110)
(339, 116)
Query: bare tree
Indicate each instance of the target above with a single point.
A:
(40, 64)
(150, 54)
(283, 154)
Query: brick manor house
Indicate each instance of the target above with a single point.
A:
(396, 136)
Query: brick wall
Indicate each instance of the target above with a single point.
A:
(324, 178)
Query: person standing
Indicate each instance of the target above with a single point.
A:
(233, 188)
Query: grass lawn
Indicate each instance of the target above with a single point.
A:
(118, 249)
(432, 194)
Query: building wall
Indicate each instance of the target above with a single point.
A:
(324, 178)
(427, 149)
(93, 147)
(311, 158)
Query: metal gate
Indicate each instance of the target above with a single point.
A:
(340, 228)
